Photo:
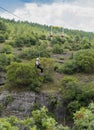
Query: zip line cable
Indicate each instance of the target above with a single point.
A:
(10, 12)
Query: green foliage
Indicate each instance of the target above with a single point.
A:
(44, 122)
(40, 120)
(67, 45)
(43, 37)
(5, 125)
(25, 75)
(5, 60)
(3, 27)
(73, 106)
(75, 94)
(7, 49)
(9, 99)
(32, 41)
(48, 78)
(69, 88)
(82, 61)
(85, 60)
(25, 40)
(84, 118)
(28, 53)
(2, 38)
(57, 40)
(34, 52)
(69, 67)
(85, 44)
(48, 66)
(57, 49)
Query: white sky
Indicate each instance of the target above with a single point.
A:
(77, 15)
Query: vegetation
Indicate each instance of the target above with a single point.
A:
(40, 120)
(24, 74)
(84, 118)
(68, 70)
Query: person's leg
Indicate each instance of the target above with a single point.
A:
(40, 68)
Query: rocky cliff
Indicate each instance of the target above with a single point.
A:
(21, 104)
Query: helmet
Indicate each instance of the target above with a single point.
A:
(37, 58)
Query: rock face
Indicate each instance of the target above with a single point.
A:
(21, 104)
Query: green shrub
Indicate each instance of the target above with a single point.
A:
(3, 27)
(40, 120)
(2, 38)
(5, 60)
(25, 40)
(85, 44)
(69, 67)
(69, 87)
(25, 75)
(47, 78)
(84, 119)
(7, 49)
(57, 49)
(9, 99)
(73, 106)
(30, 53)
(85, 60)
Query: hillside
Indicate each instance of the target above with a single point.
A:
(67, 62)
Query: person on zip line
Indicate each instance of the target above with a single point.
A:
(38, 65)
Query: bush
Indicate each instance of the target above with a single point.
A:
(2, 38)
(7, 49)
(40, 120)
(84, 119)
(5, 60)
(57, 49)
(69, 87)
(85, 60)
(69, 67)
(85, 44)
(25, 75)
(25, 41)
(48, 78)
(30, 53)
(3, 27)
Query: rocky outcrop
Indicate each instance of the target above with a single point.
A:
(21, 104)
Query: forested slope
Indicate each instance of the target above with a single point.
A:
(67, 62)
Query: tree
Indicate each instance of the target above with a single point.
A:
(85, 60)
(3, 61)
(85, 44)
(3, 27)
(40, 120)
(7, 49)
(84, 118)
(25, 75)
(44, 122)
(69, 87)
(57, 49)
(2, 38)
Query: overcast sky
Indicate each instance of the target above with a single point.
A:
(72, 14)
